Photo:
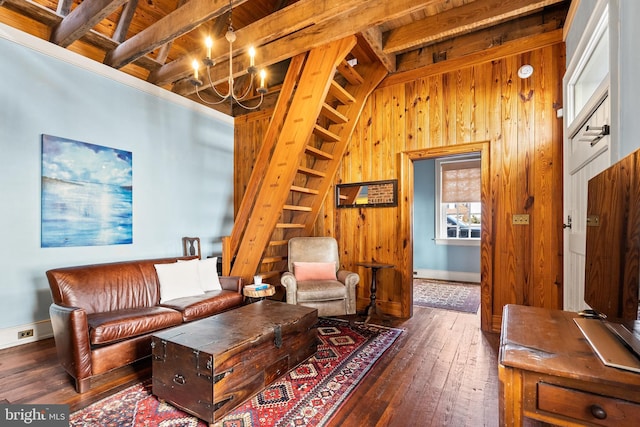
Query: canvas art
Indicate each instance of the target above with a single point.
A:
(87, 194)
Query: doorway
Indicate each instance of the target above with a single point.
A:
(407, 211)
(446, 234)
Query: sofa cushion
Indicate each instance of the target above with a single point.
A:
(207, 273)
(321, 290)
(177, 280)
(113, 326)
(213, 302)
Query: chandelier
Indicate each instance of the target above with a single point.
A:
(231, 94)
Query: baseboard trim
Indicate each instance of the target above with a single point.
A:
(455, 276)
(9, 336)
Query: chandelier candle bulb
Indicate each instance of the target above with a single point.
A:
(252, 56)
(195, 69)
(208, 43)
(263, 74)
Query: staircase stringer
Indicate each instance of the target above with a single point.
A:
(288, 151)
(254, 185)
(351, 107)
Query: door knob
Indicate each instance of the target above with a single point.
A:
(568, 224)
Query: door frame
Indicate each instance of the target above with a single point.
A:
(405, 203)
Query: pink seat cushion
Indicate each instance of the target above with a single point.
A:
(314, 270)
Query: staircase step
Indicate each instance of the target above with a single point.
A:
(289, 226)
(311, 172)
(297, 208)
(332, 114)
(325, 134)
(318, 153)
(340, 93)
(349, 73)
(272, 259)
(278, 243)
(270, 274)
(305, 190)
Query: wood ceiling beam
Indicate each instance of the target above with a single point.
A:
(512, 38)
(163, 53)
(64, 7)
(459, 20)
(177, 23)
(47, 17)
(351, 22)
(124, 22)
(302, 14)
(33, 10)
(81, 20)
(373, 37)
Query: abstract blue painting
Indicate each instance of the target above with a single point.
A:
(87, 194)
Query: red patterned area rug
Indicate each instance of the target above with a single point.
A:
(308, 395)
(457, 296)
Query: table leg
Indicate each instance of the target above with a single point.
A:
(371, 309)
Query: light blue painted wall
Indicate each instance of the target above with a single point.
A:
(580, 20)
(426, 254)
(627, 72)
(182, 165)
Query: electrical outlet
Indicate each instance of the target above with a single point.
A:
(25, 334)
(520, 219)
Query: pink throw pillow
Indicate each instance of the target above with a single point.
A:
(314, 270)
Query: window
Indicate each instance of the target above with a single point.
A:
(587, 77)
(458, 207)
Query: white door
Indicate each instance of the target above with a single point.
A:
(586, 85)
(585, 155)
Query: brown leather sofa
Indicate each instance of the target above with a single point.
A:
(103, 315)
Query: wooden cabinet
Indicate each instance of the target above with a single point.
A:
(548, 372)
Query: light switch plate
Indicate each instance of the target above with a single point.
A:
(520, 219)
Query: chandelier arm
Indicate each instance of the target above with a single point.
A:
(246, 92)
(246, 107)
(209, 102)
(223, 96)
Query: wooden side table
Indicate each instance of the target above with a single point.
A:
(548, 372)
(374, 266)
(253, 295)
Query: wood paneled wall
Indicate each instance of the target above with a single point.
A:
(484, 102)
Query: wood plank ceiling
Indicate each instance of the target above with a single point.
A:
(157, 40)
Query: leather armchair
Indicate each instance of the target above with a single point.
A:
(329, 297)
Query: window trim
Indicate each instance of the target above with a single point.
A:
(439, 239)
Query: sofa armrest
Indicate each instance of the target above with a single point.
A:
(288, 280)
(71, 335)
(231, 283)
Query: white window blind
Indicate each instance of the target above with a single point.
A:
(461, 181)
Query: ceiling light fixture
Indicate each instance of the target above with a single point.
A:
(525, 71)
(231, 93)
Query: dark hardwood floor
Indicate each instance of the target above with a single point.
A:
(442, 371)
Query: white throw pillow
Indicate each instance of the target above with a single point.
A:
(208, 269)
(178, 280)
(208, 273)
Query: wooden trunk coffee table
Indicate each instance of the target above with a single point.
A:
(210, 366)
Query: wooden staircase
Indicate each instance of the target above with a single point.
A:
(319, 104)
